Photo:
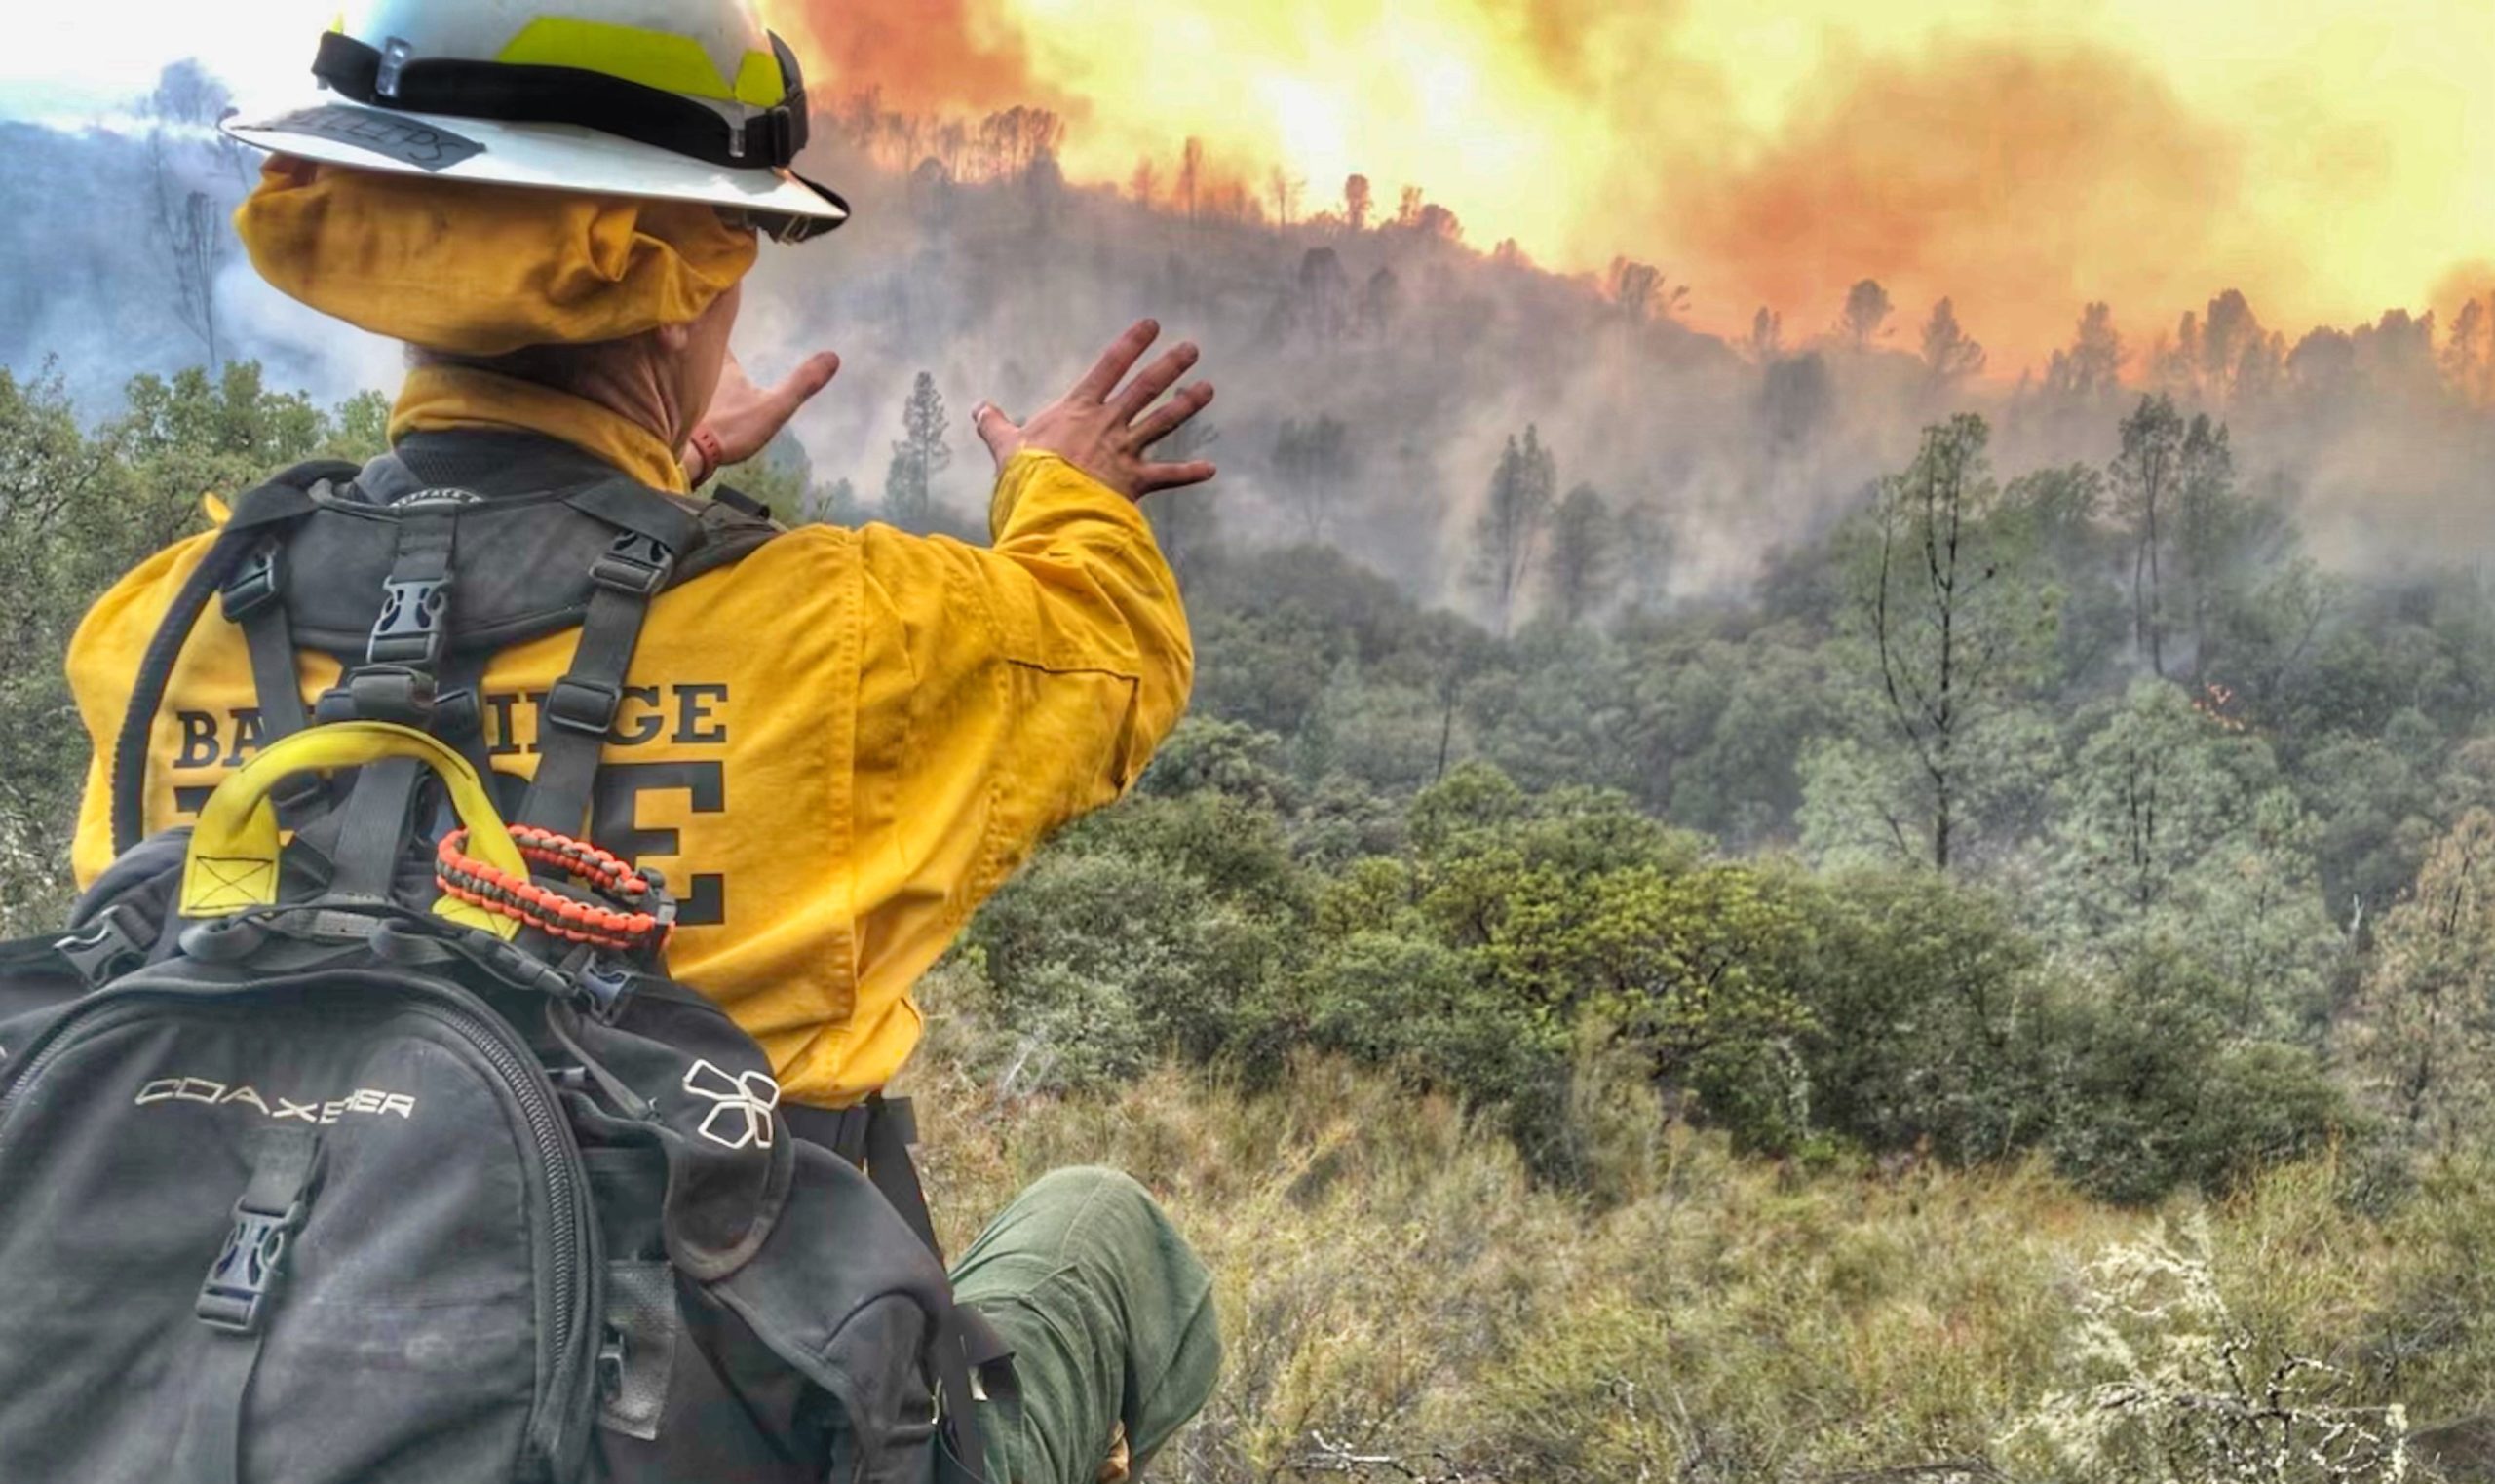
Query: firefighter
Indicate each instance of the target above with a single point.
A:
(840, 746)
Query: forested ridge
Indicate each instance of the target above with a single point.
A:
(1878, 927)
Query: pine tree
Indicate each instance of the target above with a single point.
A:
(1943, 612)
(2144, 477)
(1508, 535)
(1579, 574)
(909, 485)
(1868, 307)
(1950, 355)
(1315, 462)
(2421, 1034)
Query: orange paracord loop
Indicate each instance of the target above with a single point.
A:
(479, 885)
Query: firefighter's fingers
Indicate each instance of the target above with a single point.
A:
(1156, 477)
(1001, 435)
(804, 383)
(1159, 377)
(1173, 414)
(1121, 358)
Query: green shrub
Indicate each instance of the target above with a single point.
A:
(2152, 1094)
(1924, 1022)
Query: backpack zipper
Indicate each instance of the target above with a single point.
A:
(489, 1035)
(555, 1155)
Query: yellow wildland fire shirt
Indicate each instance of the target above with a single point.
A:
(835, 749)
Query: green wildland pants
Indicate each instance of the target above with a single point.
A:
(1111, 1319)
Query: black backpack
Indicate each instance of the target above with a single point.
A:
(367, 1158)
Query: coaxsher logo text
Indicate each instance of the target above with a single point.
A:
(217, 1094)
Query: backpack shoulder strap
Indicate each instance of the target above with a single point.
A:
(651, 531)
(259, 515)
(734, 526)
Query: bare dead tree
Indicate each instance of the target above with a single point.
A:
(1932, 617)
(193, 235)
(2144, 476)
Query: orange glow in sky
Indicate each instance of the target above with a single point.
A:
(2331, 158)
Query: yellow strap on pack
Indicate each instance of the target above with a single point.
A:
(233, 862)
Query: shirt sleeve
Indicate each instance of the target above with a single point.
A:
(1001, 694)
(1074, 618)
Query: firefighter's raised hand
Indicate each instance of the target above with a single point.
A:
(1107, 426)
(743, 418)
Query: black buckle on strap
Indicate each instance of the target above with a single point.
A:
(247, 1269)
(411, 629)
(737, 500)
(254, 588)
(107, 948)
(457, 716)
(634, 565)
(393, 692)
(586, 706)
(285, 1166)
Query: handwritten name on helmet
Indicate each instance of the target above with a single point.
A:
(211, 1093)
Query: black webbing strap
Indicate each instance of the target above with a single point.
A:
(372, 829)
(521, 94)
(459, 714)
(273, 505)
(892, 1128)
(877, 1136)
(640, 511)
(234, 1298)
(409, 640)
(578, 713)
(962, 1457)
(966, 1345)
(415, 627)
(254, 601)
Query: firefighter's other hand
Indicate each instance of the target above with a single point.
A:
(744, 418)
(1108, 430)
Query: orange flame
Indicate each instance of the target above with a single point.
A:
(2323, 156)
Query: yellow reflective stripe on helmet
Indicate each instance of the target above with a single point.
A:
(760, 81)
(663, 60)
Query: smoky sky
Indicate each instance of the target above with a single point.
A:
(2322, 157)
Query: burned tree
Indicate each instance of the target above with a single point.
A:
(1357, 203)
(1579, 574)
(1315, 462)
(1507, 538)
(1325, 295)
(1865, 317)
(1950, 355)
(1943, 616)
(2144, 477)
(185, 219)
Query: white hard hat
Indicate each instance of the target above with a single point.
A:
(666, 99)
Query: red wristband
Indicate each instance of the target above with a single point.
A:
(714, 454)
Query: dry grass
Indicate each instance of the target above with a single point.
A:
(1402, 1302)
